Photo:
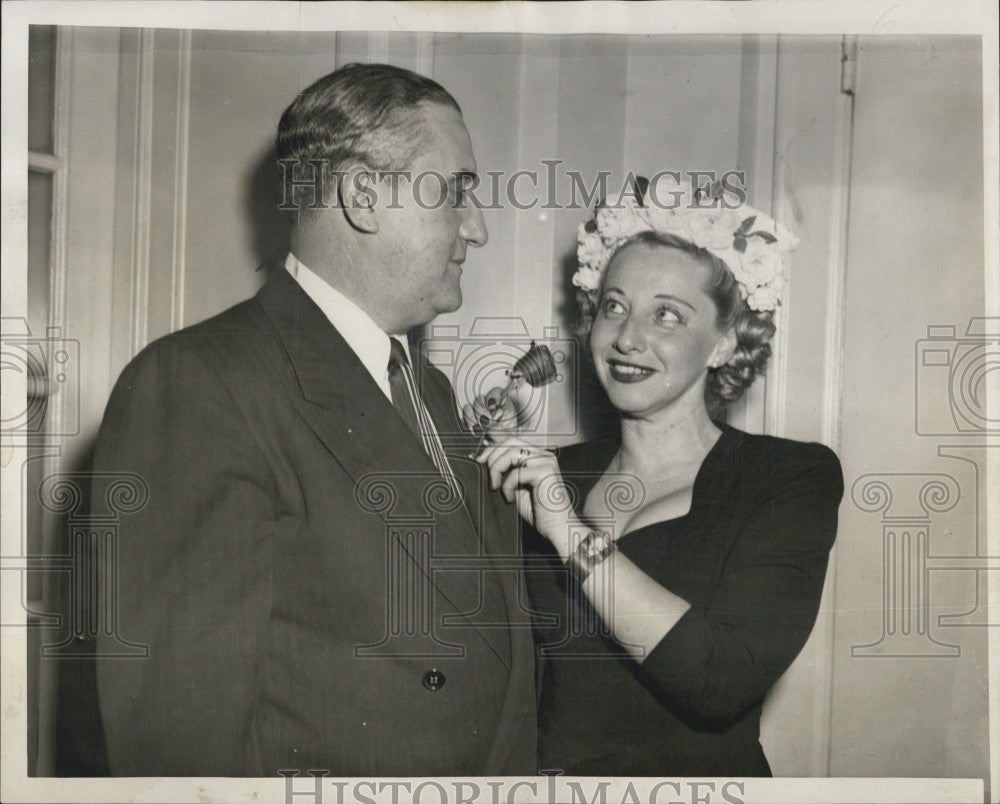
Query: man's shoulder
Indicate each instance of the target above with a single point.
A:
(243, 316)
(227, 338)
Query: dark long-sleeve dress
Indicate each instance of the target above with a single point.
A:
(750, 557)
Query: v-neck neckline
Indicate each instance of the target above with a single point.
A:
(722, 443)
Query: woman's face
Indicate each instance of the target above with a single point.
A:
(654, 333)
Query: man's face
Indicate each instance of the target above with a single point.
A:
(433, 224)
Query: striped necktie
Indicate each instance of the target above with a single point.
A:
(407, 402)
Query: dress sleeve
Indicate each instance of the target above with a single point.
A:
(721, 658)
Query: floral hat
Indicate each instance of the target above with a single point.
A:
(753, 246)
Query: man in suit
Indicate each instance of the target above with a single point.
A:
(319, 573)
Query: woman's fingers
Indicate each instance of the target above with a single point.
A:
(531, 470)
(525, 475)
(503, 460)
(530, 477)
(482, 411)
(492, 415)
(503, 411)
(500, 458)
(469, 417)
(497, 448)
(504, 420)
(525, 506)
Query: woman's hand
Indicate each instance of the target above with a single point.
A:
(530, 477)
(493, 414)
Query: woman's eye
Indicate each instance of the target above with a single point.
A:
(612, 307)
(667, 315)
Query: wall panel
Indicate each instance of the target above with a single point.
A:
(918, 700)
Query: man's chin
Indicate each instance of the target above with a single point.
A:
(451, 303)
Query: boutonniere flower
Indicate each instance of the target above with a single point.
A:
(536, 367)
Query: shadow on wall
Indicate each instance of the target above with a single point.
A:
(79, 735)
(270, 227)
(597, 417)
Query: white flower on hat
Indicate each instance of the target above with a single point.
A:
(787, 241)
(753, 246)
(764, 298)
(662, 219)
(590, 249)
(713, 229)
(761, 261)
(588, 279)
(621, 222)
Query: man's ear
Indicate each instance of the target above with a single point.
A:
(358, 197)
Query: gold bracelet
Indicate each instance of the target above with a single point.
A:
(591, 551)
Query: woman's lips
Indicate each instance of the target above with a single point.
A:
(628, 372)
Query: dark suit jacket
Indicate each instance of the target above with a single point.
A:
(301, 579)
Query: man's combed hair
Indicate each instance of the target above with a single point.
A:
(360, 113)
(754, 329)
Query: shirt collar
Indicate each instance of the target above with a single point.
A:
(362, 334)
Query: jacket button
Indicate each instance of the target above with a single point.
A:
(433, 680)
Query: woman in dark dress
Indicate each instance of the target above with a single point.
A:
(676, 570)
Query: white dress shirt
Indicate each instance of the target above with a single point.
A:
(373, 348)
(363, 335)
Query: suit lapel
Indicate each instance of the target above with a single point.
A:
(460, 445)
(344, 406)
(341, 401)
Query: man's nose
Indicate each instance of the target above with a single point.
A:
(473, 228)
